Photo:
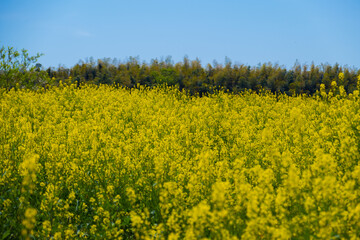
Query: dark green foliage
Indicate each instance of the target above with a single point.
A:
(17, 69)
(192, 77)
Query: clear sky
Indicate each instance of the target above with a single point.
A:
(248, 32)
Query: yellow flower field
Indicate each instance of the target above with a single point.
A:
(113, 163)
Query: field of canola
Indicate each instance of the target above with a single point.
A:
(109, 163)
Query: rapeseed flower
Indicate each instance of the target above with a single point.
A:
(107, 162)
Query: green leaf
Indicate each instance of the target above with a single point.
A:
(6, 234)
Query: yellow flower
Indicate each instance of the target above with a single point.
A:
(156, 163)
(341, 76)
(93, 229)
(72, 196)
(57, 236)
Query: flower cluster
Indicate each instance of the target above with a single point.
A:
(112, 163)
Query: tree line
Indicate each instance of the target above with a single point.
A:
(188, 75)
(191, 76)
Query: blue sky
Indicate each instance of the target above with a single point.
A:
(247, 32)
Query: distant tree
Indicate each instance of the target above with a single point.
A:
(123, 77)
(17, 68)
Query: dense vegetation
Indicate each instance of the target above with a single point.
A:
(107, 163)
(82, 156)
(187, 75)
(194, 78)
